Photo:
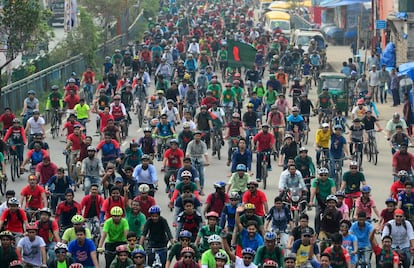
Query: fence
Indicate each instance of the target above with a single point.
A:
(14, 94)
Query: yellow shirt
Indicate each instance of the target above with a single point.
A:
(322, 138)
(82, 111)
(302, 254)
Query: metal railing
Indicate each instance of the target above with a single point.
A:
(14, 94)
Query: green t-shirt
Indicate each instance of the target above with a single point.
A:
(239, 184)
(81, 111)
(239, 93)
(180, 185)
(271, 97)
(263, 254)
(209, 260)
(260, 91)
(216, 89)
(205, 233)
(61, 264)
(115, 232)
(323, 188)
(70, 235)
(228, 95)
(222, 55)
(176, 252)
(353, 182)
(324, 101)
(135, 222)
(54, 100)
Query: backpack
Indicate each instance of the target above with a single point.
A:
(390, 226)
(19, 217)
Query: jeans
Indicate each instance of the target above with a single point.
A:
(408, 257)
(332, 165)
(162, 252)
(88, 90)
(395, 96)
(259, 163)
(199, 166)
(382, 93)
(50, 250)
(251, 131)
(318, 154)
(92, 180)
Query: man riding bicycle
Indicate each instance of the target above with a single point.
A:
(295, 124)
(324, 104)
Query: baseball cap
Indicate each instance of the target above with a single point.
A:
(325, 125)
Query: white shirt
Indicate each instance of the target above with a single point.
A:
(194, 48)
(240, 263)
(287, 181)
(36, 125)
(374, 78)
(401, 235)
(170, 113)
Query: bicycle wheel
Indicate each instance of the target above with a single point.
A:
(305, 137)
(140, 117)
(367, 151)
(374, 152)
(338, 177)
(17, 167)
(3, 186)
(54, 126)
(264, 174)
(12, 169)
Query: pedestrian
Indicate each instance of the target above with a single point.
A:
(394, 86)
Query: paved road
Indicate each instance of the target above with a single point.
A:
(379, 176)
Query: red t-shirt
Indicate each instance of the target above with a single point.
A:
(402, 161)
(145, 204)
(46, 172)
(110, 203)
(69, 126)
(234, 128)
(14, 224)
(68, 88)
(264, 142)
(218, 203)
(104, 119)
(173, 158)
(46, 230)
(30, 153)
(71, 101)
(396, 188)
(88, 77)
(33, 196)
(7, 120)
(258, 200)
(76, 141)
(387, 215)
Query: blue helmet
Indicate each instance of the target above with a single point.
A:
(138, 251)
(185, 234)
(241, 167)
(366, 189)
(154, 210)
(220, 184)
(390, 200)
(270, 236)
(249, 251)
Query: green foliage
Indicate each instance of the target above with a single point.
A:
(25, 24)
(151, 8)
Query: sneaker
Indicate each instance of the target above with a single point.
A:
(213, 153)
(269, 168)
(228, 163)
(258, 179)
(222, 143)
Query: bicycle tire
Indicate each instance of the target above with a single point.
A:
(17, 167)
(140, 117)
(53, 127)
(374, 152)
(3, 186)
(368, 151)
(12, 170)
(264, 174)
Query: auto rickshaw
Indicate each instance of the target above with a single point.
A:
(338, 89)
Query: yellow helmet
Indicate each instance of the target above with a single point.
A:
(116, 211)
(249, 206)
(77, 219)
(187, 76)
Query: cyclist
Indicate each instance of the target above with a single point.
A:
(145, 174)
(14, 218)
(38, 138)
(322, 140)
(29, 105)
(296, 232)
(305, 164)
(6, 119)
(159, 234)
(265, 142)
(115, 230)
(361, 86)
(112, 129)
(330, 219)
(359, 110)
(70, 124)
(62, 259)
(67, 209)
(269, 251)
(55, 101)
(338, 148)
(73, 145)
(82, 113)
(295, 124)
(234, 130)
(361, 229)
(324, 104)
(250, 123)
(301, 247)
(269, 98)
(48, 231)
(35, 124)
(209, 100)
(229, 99)
(398, 138)
(341, 206)
(238, 180)
(83, 249)
(164, 130)
(122, 257)
(188, 254)
(280, 220)
(91, 169)
(70, 101)
(57, 184)
(197, 151)
(336, 254)
(189, 219)
(139, 258)
(88, 82)
(119, 113)
(385, 256)
(289, 150)
(9, 253)
(406, 199)
(403, 160)
(247, 255)
(387, 213)
(204, 123)
(32, 248)
(147, 142)
(33, 196)
(366, 203)
(356, 138)
(110, 150)
(276, 120)
(71, 85)
(209, 257)
(16, 136)
(351, 184)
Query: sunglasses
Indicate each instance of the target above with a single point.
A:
(123, 255)
(187, 256)
(60, 251)
(132, 240)
(306, 235)
(353, 168)
(398, 216)
(251, 187)
(138, 257)
(323, 175)
(234, 199)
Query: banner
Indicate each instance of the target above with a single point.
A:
(240, 54)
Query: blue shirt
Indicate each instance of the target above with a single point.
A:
(229, 213)
(306, 69)
(348, 244)
(254, 243)
(314, 60)
(82, 254)
(152, 174)
(239, 158)
(337, 146)
(164, 130)
(406, 199)
(362, 234)
(256, 103)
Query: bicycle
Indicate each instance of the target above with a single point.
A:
(362, 262)
(139, 107)
(324, 160)
(278, 141)
(164, 146)
(55, 123)
(156, 259)
(14, 162)
(338, 163)
(95, 228)
(371, 147)
(3, 183)
(217, 141)
(263, 167)
(305, 133)
(357, 155)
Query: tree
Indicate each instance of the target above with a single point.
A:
(24, 24)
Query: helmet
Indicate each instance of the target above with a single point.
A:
(295, 109)
(203, 107)
(338, 127)
(234, 195)
(16, 120)
(388, 200)
(160, 92)
(72, 80)
(147, 129)
(185, 234)
(250, 105)
(288, 136)
(270, 236)
(174, 141)
(219, 184)
(402, 173)
(237, 115)
(31, 226)
(214, 239)
(121, 248)
(237, 75)
(323, 171)
(6, 233)
(212, 214)
(116, 211)
(270, 263)
(303, 149)
(396, 115)
(146, 157)
(325, 88)
(353, 164)
(187, 76)
(187, 250)
(340, 193)
(366, 189)
(236, 82)
(249, 251)
(154, 210)
(227, 84)
(186, 173)
(13, 201)
(133, 143)
(297, 79)
(186, 125)
(360, 101)
(60, 245)
(91, 148)
(16, 263)
(273, 107)
(249, 206)
(241, 167)
(220, 255)
(45, 210)
(54, 87)
(290, 257)
(138, 251)
(143, 188)
(153, 98)
(77, 219)
(331, 197)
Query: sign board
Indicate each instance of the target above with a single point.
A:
(380, 24)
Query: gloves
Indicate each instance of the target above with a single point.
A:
(100, 250)
(175, 135)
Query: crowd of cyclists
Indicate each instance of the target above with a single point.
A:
(178, 82)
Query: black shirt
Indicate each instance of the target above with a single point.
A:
(369, 123)
(249, 119)
(159, 232)
(305, 107)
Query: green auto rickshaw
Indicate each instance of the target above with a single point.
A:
(338, 89)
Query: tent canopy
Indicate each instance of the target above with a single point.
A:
(337, 3)
(406, 69)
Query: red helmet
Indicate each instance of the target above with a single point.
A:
(153, 98)
(31, 226)
(212, 214)
(237, 74)
(187, 250)
(121, 248)
(360, 101)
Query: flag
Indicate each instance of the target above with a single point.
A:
(240, 54)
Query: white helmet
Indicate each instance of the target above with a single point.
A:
(214, 239)
(60, 245)
(143, 188)
(186, 173)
